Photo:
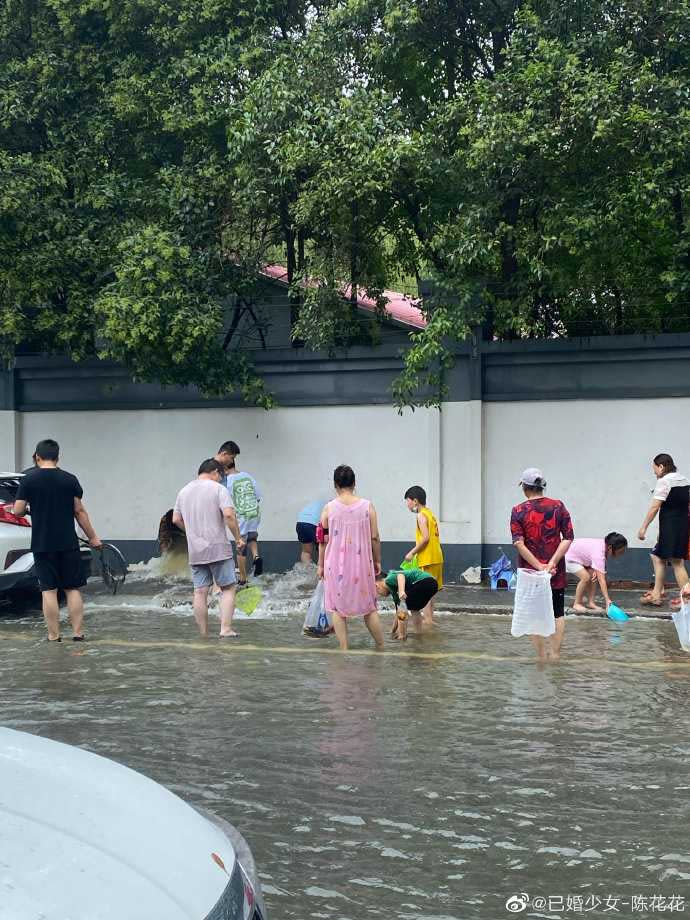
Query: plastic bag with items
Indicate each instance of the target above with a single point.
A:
(317, 623)
(501, 574)
(533, 610)
(681, 620)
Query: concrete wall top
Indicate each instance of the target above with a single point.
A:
(608, 367)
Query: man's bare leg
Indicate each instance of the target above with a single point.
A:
(557, 638)
(227, 610)
(75, 605)
(340, 626)
(201, 610)
(51, 613)
(307, 553)
(242, 565)
(373, 623)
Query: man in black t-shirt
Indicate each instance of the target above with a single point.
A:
(54, 499)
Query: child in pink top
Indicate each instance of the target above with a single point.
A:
(586, 558)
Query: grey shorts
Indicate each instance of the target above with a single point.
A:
(248, 538)
(223, 573)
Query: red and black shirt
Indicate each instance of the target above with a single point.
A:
(541, 523)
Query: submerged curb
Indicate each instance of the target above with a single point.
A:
(506, 610)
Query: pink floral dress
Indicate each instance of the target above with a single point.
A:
(348, 563)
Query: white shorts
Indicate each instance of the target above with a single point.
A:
(572, 568)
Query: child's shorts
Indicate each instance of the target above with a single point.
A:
(436, 571)
(420, 593)
(248, 538)
(306, 533)
(572, 568)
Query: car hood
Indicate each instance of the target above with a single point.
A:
(84, 838)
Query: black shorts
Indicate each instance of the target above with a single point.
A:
(420, 593)
(59, 570)
(306, 533)
(558, 595)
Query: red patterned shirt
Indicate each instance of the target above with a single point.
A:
(542, 523)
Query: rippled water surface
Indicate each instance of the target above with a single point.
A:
(430, 782)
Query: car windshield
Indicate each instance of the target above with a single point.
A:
(9, 483)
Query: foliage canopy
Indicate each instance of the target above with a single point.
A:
(529, 157)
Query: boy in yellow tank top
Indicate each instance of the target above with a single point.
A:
(427, 548)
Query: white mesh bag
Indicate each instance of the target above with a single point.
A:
(681, 620)
(533, 610)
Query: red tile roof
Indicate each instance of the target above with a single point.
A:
(399, 307)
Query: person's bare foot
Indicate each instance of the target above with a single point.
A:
(595, 607)
(579, 608)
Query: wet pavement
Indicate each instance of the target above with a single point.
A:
(433, 781)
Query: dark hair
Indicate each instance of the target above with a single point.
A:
(538, 486)
(417, 494)
(344, 477)
(229, 447)
(665, 461)
(383, 576)
(616, 541)
(211, 466)
(47, 449)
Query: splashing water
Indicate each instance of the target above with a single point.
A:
(164, 583)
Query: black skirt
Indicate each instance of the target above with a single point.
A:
(674, 525)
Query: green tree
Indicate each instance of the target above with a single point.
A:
(531, 158)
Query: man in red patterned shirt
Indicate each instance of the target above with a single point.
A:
(542, 532)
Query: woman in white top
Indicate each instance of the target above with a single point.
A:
(671, 501)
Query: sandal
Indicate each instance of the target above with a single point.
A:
(647, 600)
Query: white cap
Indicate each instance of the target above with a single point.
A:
(533, 477)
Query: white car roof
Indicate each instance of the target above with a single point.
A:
(84, 838)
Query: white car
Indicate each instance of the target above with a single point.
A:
(16, 560)
(84, 838)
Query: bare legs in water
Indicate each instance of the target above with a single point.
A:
(372, 623)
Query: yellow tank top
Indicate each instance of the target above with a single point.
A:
(432, 554)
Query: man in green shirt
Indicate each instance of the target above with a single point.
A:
(412, 588)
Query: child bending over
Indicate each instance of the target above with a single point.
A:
(415, 589)
(586, 557)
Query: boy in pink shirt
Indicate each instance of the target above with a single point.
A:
(586, 558)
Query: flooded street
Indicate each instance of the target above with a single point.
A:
(429, 782)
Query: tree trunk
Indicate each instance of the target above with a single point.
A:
(290, 255)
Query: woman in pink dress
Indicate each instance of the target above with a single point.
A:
(351, 560)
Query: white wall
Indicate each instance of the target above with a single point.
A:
(132, 463)
(596, 456)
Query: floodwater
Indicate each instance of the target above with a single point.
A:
(433, 781)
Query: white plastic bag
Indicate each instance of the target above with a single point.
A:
(681, 620)
(317, 620)
(533, 610)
